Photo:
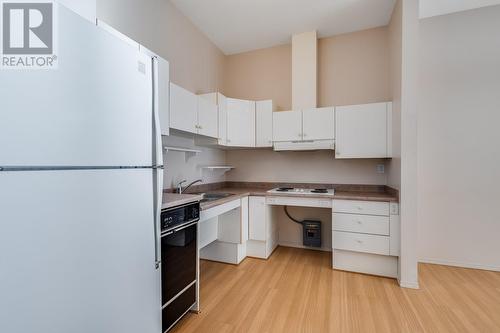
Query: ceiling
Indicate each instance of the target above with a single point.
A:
(241, 25)
(430, 8)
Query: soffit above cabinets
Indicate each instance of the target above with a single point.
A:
(259, 24)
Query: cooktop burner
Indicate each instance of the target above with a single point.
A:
(319, 190)
(284, 189)
(302, 191)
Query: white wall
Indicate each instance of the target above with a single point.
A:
(459, 139)
(187, 166)
(265, 165)
(408, 262)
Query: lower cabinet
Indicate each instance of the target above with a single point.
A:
(365, 237)
(262, 228)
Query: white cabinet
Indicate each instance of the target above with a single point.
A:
(366, 237)
(183, 109)
(222, 113)
(257, 219)
(287, 126)
(207, 117)
(318, 124)
(240, 123)
(193, 113)
(363, 131)
(264, 123)
(262, 228)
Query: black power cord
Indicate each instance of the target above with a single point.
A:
(290, 216)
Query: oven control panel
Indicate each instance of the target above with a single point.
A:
(175, 216)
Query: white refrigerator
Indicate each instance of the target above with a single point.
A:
(80, 189)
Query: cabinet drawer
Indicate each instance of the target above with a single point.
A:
(350, 241)
(361, 207)
(368, 224)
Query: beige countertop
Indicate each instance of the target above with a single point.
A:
(340, 195)
(173, 199)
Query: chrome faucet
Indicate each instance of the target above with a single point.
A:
(180, 189)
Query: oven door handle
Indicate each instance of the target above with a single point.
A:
(187, 225)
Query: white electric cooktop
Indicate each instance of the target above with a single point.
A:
(302, 191)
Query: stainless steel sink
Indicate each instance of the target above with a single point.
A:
(207, 197)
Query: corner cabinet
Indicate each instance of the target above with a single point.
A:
(264, 123)
(363, 131)
(240, 122)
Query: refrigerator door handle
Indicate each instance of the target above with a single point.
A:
(157, 196)
(157, 143)
(157, 162)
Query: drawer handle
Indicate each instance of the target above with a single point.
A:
(359, 222)
(360, 208)
(359, 241)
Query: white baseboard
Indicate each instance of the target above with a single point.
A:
(300, 246)
(408, 284)
(459, 264)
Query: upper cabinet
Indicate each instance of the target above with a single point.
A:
(207, 116)
(287, 126)
(318, 124)
(183, 109)
(192, 113)
(364, 131)
(240, 122)
(222, 113)
(264, 123)
(304, 130)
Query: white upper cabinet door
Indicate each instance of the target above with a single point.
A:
(264, 123)
(287, 126)
(319, 124)
(240, 123)
(361, 131)
(207, 116)
(222, 109)
(183, 109)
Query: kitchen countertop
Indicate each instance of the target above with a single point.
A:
(340, 195)
(173, 199)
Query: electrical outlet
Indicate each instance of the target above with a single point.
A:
(380, 168)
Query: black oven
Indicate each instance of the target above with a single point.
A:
(179, 261)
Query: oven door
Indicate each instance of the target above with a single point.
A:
(178, 258)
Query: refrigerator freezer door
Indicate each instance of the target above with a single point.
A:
(77, 252)
(95, 109)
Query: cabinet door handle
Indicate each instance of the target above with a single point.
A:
(304, 135)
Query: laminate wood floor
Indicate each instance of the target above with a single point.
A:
(297, 291)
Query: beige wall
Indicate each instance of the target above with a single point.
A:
(459, 140)
(308, 167)
(353, 68)
(195, 62)
(261, 74)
